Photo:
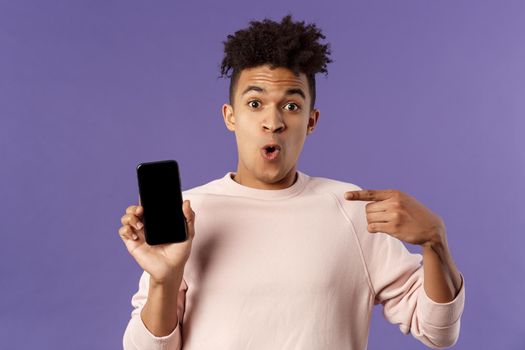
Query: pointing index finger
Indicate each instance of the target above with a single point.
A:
(368, 195)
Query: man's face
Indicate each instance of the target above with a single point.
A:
(269, 109)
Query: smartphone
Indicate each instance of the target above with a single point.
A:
(161, 198)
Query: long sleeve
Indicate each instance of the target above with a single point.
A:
(396, 278)
(289, 269)
(137, 336)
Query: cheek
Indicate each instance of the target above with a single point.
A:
(246, 140)
(296, 141)
(246, 128)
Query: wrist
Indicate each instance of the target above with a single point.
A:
(169, 282)
(436, 246)
(437, 239)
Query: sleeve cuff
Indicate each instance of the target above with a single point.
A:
(441, 314)
(141, 338)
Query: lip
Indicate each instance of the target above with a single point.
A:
(271, 156)
(274, 145)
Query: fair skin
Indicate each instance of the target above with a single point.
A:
(268, 107)
(267, 114)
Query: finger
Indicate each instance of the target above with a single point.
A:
(127, 233)
(135, 209)
(131, 240)
(140, 232)
(189, 216)
(125, 219)
(132, 220)
(368, 195)
(381, 216)
(131, 209)
(374, 207)
(378, 227)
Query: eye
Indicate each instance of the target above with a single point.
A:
(293, 104)
(252, 102)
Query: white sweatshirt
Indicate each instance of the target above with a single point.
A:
(290, 269)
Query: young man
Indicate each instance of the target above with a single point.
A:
(280, 259)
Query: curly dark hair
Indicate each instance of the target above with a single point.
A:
(287, 44)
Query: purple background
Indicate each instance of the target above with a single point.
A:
(424, 96)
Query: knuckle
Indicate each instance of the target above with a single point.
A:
(125, 219)
(122, 231)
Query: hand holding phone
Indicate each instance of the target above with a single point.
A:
(164, 262)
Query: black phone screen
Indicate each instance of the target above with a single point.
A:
(161, 198)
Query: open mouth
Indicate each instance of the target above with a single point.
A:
(271, 152)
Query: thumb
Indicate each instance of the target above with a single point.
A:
(189, 215)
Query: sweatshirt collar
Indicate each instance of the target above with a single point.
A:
(235, 188)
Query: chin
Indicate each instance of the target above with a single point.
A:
(272, 175)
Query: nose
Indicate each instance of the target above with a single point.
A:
(274, 122)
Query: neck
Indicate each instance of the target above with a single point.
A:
(266, 182)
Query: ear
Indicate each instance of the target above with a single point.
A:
(312, 121)
(229, 118)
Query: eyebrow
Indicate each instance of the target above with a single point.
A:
(290, 91)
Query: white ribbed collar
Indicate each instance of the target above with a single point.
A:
(235, 188)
